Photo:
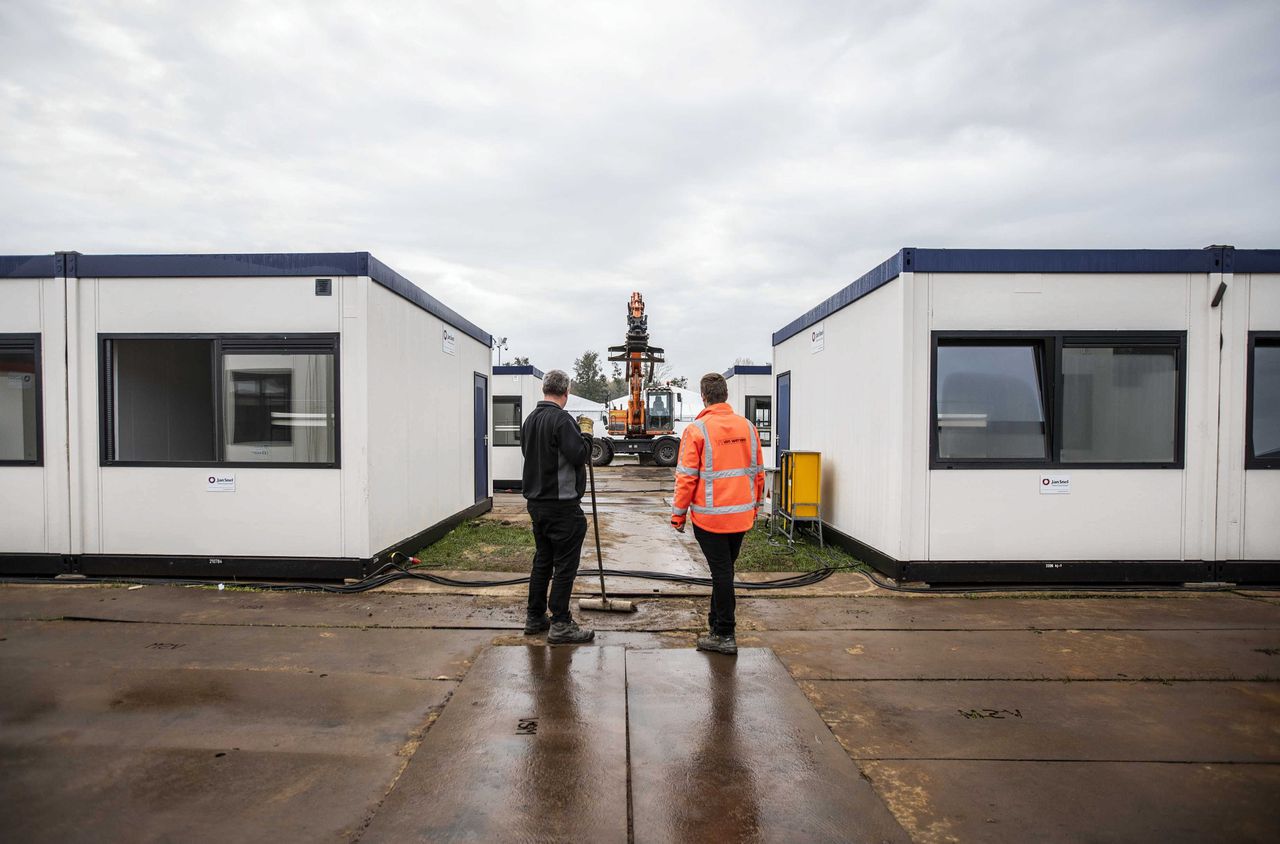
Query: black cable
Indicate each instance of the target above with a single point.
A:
(391, 571)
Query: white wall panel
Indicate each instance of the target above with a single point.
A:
(21, 311)
(1261, 515)
(1058, 301)
(420, 420)
(963, 526)
(846, 402)
(1110, 514)
(165, 510)
(34, 502)
(508, 462)
(273, 512)
(24, 527)
(182, 305)
(1264, 301)
(741, 386)
(1260, 534)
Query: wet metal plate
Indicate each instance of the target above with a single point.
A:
(1117, 721)
(213, 709)
(419, 654)
(1104, 802)
(1016, 654)
(532, 747)
(98, 794)
(729, 749)
(1199, 612)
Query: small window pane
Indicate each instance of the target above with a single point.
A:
(162, 401)
(1120, 404)
(1266, 399)
(660, 416)
(278, 407)
(506, 420)
(18, 418)
(760, 413)
(990, 402)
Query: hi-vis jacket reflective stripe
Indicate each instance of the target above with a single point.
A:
(720, 473)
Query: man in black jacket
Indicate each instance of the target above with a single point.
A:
(555, 457)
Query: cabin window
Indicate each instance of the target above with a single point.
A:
(222, 400)
(991, 401)
(20, 415)
(507, 419)
(1263, 434)
(760, 413)
(1119, 404)
(1089, 399)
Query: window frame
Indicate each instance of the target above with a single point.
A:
(746, 412)
(20, 342)
(1052, 386)
(518, 401)
(301, 343)
(1251, 462)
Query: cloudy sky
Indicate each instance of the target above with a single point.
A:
(531, 164)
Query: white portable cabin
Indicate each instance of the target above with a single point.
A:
(1059, 415)
(516, 391)
(267, 415)
(751, 394)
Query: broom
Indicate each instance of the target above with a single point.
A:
(604, 603)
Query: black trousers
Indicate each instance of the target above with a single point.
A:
(558, 530)
(721, 551)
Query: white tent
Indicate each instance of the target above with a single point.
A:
(579, 406)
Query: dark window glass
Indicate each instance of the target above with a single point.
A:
(165, 400)
(760, 413)
(279, 406)
(506, 420)
(161, 401)
(1265, 418)
(1119, 404)
(19, 403)
(661, 415)
(990, 401)
(262, 405)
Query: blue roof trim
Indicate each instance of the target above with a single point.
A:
(214, 266)
(247, 265)
(517, 369)
(1067, 261)
(28, 266)
(1214, 259)
(1257, 261)
(748, 369)
(873, 280)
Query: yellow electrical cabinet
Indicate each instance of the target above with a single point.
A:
(799, 483)
(802, 483)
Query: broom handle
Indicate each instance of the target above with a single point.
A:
(595, 523)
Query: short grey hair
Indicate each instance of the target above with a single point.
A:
(555, 383)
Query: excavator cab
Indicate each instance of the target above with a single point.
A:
(660, 417)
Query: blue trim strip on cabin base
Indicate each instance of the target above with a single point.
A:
(748, 369)
(1214, 259)
(518, 369)
(240, 266)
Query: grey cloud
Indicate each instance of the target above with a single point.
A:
(737, 162)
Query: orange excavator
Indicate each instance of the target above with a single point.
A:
(647, 426)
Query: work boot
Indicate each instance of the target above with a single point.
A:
(718, 644)
(535, 624)
(569, 633)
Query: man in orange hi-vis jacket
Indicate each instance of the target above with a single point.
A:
(720, 478)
